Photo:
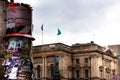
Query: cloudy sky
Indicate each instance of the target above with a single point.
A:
(80, 21)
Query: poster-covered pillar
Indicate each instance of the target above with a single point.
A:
(18, 42)
(17, 62)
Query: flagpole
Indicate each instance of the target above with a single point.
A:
(57, 38)
(42, 37)
(42, 33)
(58, 33)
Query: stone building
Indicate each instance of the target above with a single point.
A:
(77, 62)
(116, 49)
(3, 7)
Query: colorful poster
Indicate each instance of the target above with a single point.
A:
(13, 73)
(17, 46)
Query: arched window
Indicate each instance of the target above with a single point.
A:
(38, 71)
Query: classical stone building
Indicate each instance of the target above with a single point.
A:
(77, 62)
(116, 49)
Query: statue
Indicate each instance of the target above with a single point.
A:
(56, 74)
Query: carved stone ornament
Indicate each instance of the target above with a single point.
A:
(101, 68)
(108, 70)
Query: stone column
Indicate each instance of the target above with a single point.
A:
(60, 64)
(103, 64)
(42, 67)
(94, 67)
(45, 67)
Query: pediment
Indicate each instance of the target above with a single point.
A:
(108, 51)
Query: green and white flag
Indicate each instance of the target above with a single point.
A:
(59, 32)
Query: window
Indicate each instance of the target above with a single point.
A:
(86, 60)
(52, 70)
(38, 71)
(77, 61)
(77, 73)
(86, 74)
(107, 63)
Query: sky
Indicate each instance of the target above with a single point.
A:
(80, 21)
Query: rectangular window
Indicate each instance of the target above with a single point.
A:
(86, 74)
(77, 61)
(86, 60)
(38, 71)
(77, 73)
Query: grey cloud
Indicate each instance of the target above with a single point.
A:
(73, 16)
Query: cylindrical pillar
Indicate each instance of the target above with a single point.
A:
(17, 63)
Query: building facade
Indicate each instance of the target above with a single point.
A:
(77, 62)
(116, 49)
(3, 7)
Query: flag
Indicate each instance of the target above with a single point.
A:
(42, 27)
(59, 32)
